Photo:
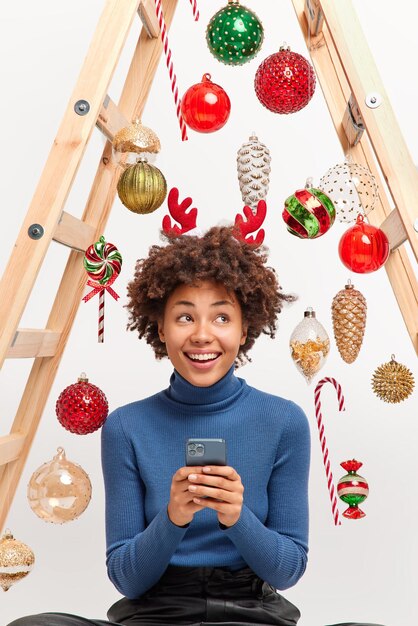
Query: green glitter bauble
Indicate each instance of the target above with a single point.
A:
(234, 34)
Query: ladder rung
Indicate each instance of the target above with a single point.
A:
(146, 11)
(30, 343)
(74, 233)
(394, 229)
(10, 447)
(111, 119)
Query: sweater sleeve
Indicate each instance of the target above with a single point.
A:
(137, 554)
(277, 550)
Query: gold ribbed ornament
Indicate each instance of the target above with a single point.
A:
(392, 382)
(16, 560)
(136, 138)
(253, 167)
(142, 187)
(349, 310)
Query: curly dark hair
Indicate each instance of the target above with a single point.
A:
(217, 256)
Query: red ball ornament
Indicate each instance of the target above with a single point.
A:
(285, 82)
(205, 107)
(363, 248)
(82, 408)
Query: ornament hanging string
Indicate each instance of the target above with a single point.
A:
(323, 441)
(100, 289)
(169, 61)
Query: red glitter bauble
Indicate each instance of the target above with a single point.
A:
(285, 82)
(205, 107)
(363, 248)
(82, 408)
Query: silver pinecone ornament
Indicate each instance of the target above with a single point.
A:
(253, 165)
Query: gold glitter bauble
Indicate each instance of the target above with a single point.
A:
(393, 382)
(59, 491)
(349, 309)
(142, 188)
(16, 560)
(136, 138)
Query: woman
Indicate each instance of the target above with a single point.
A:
(204, 544)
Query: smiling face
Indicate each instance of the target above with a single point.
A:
(202, 329)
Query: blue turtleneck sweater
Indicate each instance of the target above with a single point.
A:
(143, 445)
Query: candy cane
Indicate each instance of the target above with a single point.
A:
(323, 441)
(195, 9)
(169, 62)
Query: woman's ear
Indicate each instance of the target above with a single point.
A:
(244, 334)
(161, 330)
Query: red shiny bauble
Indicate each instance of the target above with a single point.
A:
(82, 408)
(205, 107)
(285, 82)
(363, 248)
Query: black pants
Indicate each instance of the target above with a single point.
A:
(189, 596)
(192, 596)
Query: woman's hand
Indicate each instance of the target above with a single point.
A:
(224, 490)
(181, 507)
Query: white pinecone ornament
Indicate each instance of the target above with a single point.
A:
(253, 165)
(349, 309)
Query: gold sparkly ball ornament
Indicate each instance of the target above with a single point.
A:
(133, 140)
(392, 382)
(253, 167)
(349, 310)
(59, 491)
(309, 345)
(16, 560)
(142, 187)
(352, 189)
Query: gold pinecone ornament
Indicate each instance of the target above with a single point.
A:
(392, 382)
(349, 310)
(253, 166)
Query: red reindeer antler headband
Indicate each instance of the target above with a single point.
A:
(187, 221)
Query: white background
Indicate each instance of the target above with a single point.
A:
(363, 570)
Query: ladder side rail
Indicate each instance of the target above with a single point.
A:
(337, 92)
(62, 163)
(98, 207)
(382, 126)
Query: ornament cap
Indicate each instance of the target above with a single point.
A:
(284, 47)
(309, 312)
(7, 534)
(207, 78)
(351, 466)
(349, 284)
(83, 378)
(60, 454)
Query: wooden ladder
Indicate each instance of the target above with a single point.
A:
(369, 133)
(46, 220)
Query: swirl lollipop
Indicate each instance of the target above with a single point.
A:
(102, 262)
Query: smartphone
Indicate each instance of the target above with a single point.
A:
(205, 451)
